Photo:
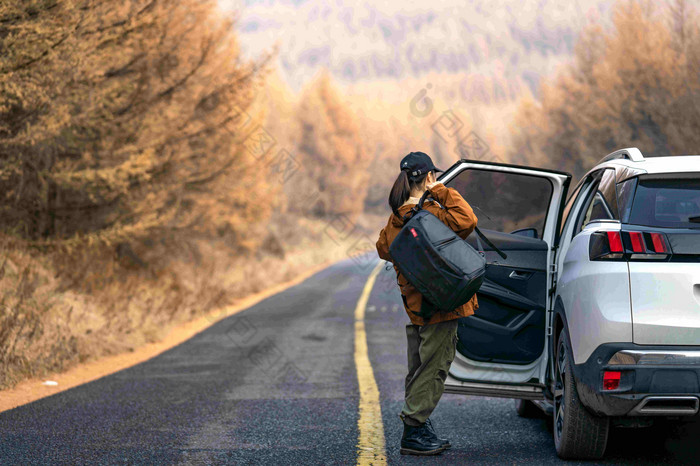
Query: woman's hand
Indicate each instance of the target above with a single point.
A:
(430, 185)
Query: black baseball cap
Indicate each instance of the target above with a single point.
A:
(417, 164)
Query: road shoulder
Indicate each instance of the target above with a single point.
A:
(34, 389)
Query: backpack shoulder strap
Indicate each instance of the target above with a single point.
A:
(431, 198)
(409, 214)
(491, 245)
(425, 196)
(416, 208)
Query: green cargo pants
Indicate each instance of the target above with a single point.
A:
(431, 349)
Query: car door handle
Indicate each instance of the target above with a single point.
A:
(520, 275)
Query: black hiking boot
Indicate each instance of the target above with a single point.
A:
(417, 440)
(437, 439)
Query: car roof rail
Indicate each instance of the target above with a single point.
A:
(631, 153)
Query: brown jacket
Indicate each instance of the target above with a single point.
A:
(459, 216)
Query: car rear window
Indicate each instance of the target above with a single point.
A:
(666, 203)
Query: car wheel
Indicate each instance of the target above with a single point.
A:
(526, 408)
(578, 434)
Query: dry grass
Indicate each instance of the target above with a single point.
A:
(57, 311)
(29, 312)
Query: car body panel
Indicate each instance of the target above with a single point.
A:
(495, 389)
(648, 372)
(665, 302)
(597, 305)
(466, 370)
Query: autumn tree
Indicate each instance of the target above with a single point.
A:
(637, 84)
(331, 151)
(124, 119)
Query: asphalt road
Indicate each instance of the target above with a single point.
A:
(276, 384)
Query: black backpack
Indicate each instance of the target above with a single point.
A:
(443, 267)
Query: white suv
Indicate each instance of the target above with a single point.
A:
(595, 314)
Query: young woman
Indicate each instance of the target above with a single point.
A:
(431, 343)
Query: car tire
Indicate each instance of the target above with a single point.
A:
(578, 433)
(526, 409)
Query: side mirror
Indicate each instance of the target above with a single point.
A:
(527, 232)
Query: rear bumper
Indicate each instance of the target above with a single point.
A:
(655, 380)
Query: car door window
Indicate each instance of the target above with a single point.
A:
(505, 201)
(602, 202)
(606, 207)
(569, 205)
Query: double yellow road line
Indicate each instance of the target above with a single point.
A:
(370, 442)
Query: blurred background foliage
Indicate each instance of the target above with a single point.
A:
(152, 171)
(113, 117)
(635, 84)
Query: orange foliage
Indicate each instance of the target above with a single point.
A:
(331, 150)
(121, 120)
(635, 85)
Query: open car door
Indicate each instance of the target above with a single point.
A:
(502, 349)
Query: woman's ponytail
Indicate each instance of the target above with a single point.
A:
(400, 192)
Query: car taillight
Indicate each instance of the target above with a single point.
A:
(659, 242)
(606, 245)
(614, 241)
(628, 245)
(637, 241)
(611, 380)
